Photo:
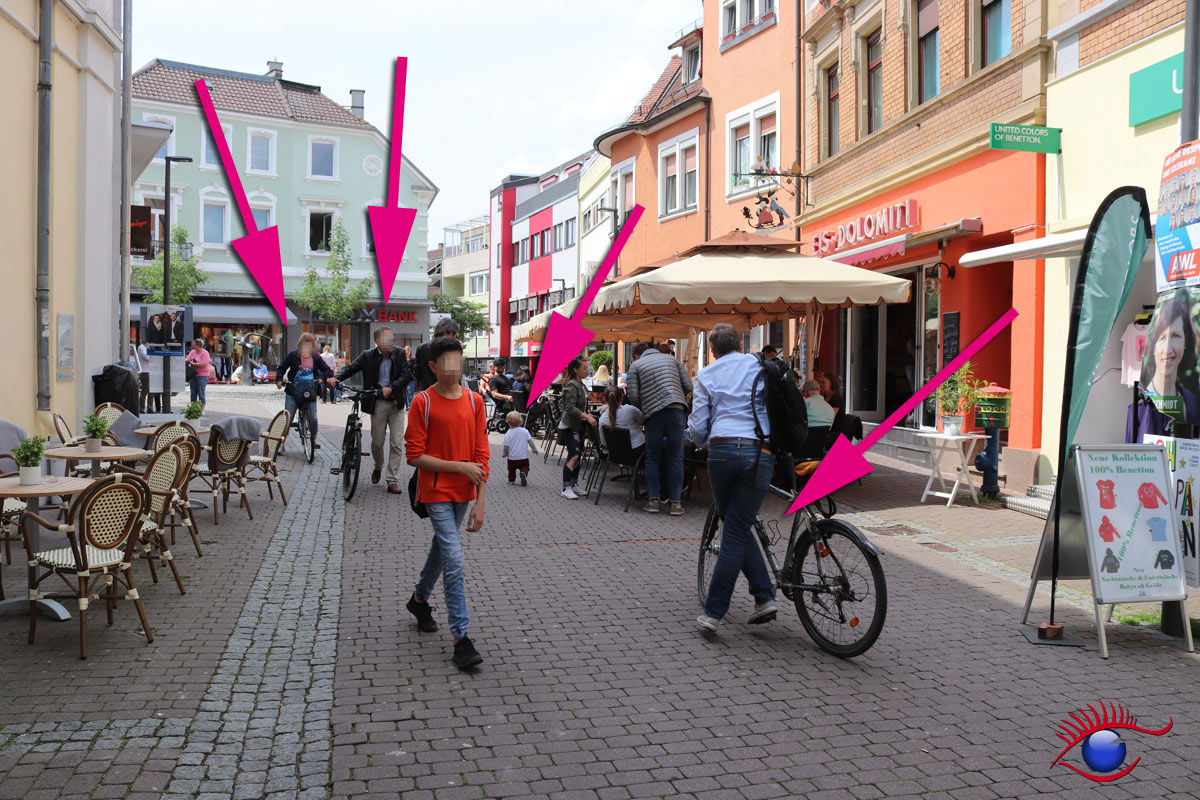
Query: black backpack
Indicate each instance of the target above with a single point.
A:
(785, 410)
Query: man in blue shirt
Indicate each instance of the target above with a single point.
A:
(739, 470)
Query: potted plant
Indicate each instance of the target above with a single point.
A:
(957, 397)
(193, 411)
(94, 428)
(28, 455)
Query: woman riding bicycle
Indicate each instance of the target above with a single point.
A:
(303, 357)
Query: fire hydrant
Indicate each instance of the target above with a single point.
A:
(992, 412)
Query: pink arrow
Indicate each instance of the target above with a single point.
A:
(845, 463)
(566, 338)
(259, 250)
(391, 225)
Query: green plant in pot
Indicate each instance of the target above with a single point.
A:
(28, 454)
(94, 429)
(957, 397)
(193, 411)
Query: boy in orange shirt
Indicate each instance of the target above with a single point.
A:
(447, 441)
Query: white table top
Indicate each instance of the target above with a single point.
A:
(952, 437)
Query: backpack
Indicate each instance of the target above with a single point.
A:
(304, 385)
(785, 410)
(419, 508)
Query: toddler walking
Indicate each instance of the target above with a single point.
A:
(518, 444)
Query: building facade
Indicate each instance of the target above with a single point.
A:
(465, 274)
(305, 162)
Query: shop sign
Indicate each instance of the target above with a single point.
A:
(389, 315)
(1029, 138)
(1156, 91)
(1183, 459)
(139, 231)
(884, 222)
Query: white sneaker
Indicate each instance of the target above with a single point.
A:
(708, 623)
(763, 612)
(567, 493)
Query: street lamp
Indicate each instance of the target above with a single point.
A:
(614, 213)
(166, 283)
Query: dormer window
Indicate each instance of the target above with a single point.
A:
(691, 64)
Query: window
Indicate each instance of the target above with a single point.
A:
(260, 153)
(570, 232)
(475, 243)
(875, 81)
(768, 153)
(547, 243)
(262, 217)
(525, 250)
(729, 24)
(768, 7)
(537, 245)
(996, 33)
(158, 227)
(168, 147)
(214, 224)
(621, 189)
(627, 194)
(691, 65)
(748, 15)
(690, 177)
(675, 158)
(516, 252)
(927, 50)
(832, 95)
(211, 157)
(558, 237)
(478, 282)
(320, 224)
(752, 142)
(741, 154)
(322, 158)
(370, 233)
(587, 220)
(670, 185)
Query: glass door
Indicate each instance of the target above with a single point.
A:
(931, 349)
(863, 388)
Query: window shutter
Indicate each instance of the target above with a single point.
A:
(767, 124)
(689, 159)
(627, 178)
(669, 165)
(741, 132)
(927, 16)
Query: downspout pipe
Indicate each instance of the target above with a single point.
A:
(707, 170)
(123, 231)
(799, 109)
(42, 285)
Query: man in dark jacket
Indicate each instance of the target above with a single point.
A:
(384, 367)
(423, 372)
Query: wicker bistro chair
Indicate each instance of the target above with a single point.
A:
(225, 470)
(264, 467)
(109, 411)
(168, 434)
(164, 475)
(101, 527)
(181, 507)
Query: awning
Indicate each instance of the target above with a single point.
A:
(257, 313)
(898, 245)
(1056, 245)
(145, 140)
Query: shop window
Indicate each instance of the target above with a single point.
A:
(875, 81)
(832, 103)
(928, 58)
(995, 29)
(320, 225)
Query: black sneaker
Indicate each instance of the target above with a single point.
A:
(424, 614)
(465, 654)
(523, 481)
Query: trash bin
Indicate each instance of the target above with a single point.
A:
(116, 384)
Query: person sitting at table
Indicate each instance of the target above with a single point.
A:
(619, 414)
(831, 391)
(602, 376)
(820, 413)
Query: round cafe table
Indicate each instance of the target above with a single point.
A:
(105, 453)
(50, 486)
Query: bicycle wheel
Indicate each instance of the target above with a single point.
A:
(351, 459)
(307, 437)
(843, 601)
(710, 548)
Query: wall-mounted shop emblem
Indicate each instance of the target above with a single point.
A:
(884, 222)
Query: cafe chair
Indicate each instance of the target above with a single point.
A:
(225, 471)
(164, 474)
(109, 411)
(181, 507)
(168, 434)
(620, 451)
(263, 466)
(63, 431)
(101, 528)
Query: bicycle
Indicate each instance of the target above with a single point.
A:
(351, 461)
(308, 437)
(830, 571)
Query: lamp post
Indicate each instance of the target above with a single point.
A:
(166, 283)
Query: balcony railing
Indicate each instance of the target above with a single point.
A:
(180, 251)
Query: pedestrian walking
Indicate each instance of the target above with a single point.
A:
(574, 416)
(448, 443)
(518, 445)
(146, 399)
(411, 391)
(384, 367)
(201, 363)
(330, 392)
(304, 357)
(740, 465)
(423, 373)
(658, 386)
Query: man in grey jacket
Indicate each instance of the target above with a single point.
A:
(658, 385)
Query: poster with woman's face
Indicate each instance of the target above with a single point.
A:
(1169, 370)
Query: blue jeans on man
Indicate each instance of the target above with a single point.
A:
(738, 490)
(668, 424)
(445, 559)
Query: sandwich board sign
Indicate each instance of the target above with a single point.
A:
(1117, 529)
(1183, 459)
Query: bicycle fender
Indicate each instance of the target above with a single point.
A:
(847, 528)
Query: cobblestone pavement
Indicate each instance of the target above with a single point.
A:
(290, 668)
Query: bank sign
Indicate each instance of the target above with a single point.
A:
(1156, 91)
(883, 222)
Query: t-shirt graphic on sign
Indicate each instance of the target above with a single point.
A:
(1150, 496)
(1110, 563)
(1107, 498)
(1165, 560)
(1158, 529)
(1107, 531)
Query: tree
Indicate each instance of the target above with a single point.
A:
(186, 275)
(471, 317)
(599, 357)
(333, 298)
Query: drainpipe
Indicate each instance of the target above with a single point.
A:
(799, 108)
(42, 291)
(707, 171)
(123, 231)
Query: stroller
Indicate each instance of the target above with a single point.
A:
(498, 423)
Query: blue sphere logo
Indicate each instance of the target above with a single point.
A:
(1104, 751)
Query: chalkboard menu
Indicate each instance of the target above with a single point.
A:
(949, 337)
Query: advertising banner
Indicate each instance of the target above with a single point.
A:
(1183, 459)
(166, 329)
(1170, 374)
(1177, 228)
(1130, 523)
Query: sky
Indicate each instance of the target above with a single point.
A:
(494, 86)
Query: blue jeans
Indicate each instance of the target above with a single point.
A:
(198, 385)
(310, 408)
(668, 424)
(738, 490)
(410, 392)
(446, 559)
(574, 444)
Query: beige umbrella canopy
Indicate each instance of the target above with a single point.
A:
(739, 240)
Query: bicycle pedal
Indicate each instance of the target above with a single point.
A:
(335, 470)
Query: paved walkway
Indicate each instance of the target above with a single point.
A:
(290, 668)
